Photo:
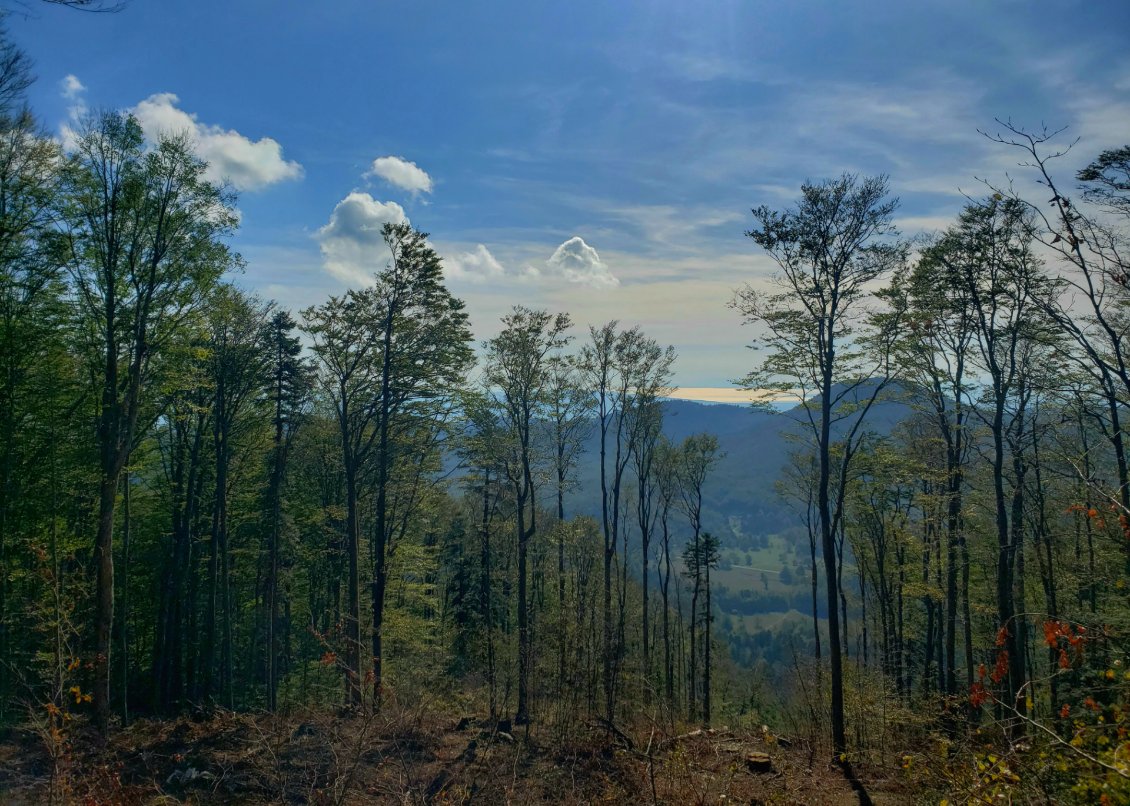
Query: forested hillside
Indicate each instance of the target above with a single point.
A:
(348, 551)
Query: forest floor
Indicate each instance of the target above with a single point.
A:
(324, 758)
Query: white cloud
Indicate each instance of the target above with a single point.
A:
(71, 87)
(247, 164)
(401, 173)
(72, 90)
(352, 246)
(577, 262)
(479, 266)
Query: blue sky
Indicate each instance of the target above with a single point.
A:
(594, 157)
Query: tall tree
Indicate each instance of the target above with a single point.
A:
(569, 412)
(1087, 242)
(237, 366)
(423, 339)
(145, 249)
(290, 379)
(668, 490)
(699, 556)
(932, 356)
(988, 255)
(181, 442)
(347, 347)
(698, 455)
(623, 369)
(829, 250)
(32, 309)
(650, 412)
(518, 373)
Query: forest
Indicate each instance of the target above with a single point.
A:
(253, 554)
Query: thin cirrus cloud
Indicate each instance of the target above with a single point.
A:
(401, 173)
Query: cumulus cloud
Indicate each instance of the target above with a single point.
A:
(351, 243)
(477, 265)
(247, 164)
(577, 262)
(401, 173)
(480, 266)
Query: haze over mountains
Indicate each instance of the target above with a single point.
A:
(741, 490)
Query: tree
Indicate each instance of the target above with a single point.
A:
(829, 250)
(15, 78)
(569, 410)
(424, 343)
(180, 437)
(699, 556)
(347, 348)
(624, 370)
(32, 310)
(988, 256)
(144, 250)
(1089, 245)
(933, 358)
(698, 455)
(650, 430)
(237, 365)
(290, 380)
(669, 491)
(517, 373)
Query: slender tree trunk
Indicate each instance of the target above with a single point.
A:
(275, 494)
(485, 608)
(668, 669)
(953, 524)
(522, 714)
(815, 594)
(1006, 626)
(831, 573)
(104, 596)
(353, 603)
(692, 666)
(561, 621)
(126, 524)
(708, 620)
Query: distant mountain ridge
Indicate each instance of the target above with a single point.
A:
(742, 490)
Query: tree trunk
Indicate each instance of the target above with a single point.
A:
(104, 594)
(706, 647)
(353, 604)
(124, 621)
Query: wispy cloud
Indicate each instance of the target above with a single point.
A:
(71, 88)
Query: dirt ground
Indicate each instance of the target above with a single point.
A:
(406, 758)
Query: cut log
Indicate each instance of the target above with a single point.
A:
(758, 762)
